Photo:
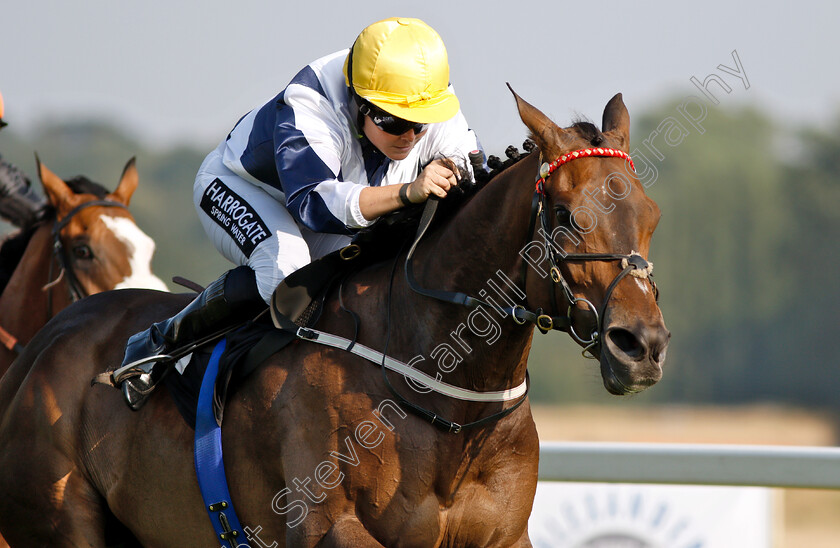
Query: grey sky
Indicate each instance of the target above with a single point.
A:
(188, 70)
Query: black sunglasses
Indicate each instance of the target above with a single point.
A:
(388, 122)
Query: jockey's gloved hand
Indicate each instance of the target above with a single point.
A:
(436, 179)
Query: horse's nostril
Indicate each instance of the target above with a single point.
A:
(655, 355)
(626, 342)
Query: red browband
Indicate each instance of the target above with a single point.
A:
(547, 169)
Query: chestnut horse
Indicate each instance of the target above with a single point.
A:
(84, 242)
(318, 450)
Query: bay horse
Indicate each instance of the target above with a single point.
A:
(82, 240)
(317, 450)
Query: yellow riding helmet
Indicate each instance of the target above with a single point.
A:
(400, 65)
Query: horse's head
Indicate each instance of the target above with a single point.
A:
(597, 223)
(98, 244)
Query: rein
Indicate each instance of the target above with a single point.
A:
(520, 392)
(518, 313)
(630, 264)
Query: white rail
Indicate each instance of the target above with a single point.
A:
(691, 464)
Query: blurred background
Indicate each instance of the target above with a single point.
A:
(746, 252)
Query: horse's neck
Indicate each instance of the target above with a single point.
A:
(24, 303)
(477, 253)
(488, 233)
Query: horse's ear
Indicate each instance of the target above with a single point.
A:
(57, 191)
(543, 130)
(128, 183)
(616, 122)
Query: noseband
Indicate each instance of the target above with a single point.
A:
(633, 263)
(75, 288)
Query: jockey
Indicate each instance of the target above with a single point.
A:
(355, 135)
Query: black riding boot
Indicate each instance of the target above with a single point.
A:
(230, 299)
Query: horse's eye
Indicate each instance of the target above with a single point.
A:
(564, 216)
(82, 252)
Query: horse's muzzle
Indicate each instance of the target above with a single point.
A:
(632, 357)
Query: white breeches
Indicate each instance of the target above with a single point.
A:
(249, 224)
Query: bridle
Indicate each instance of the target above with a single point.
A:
(633, 263)
(74, 286)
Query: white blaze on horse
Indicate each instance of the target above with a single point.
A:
(139, 248)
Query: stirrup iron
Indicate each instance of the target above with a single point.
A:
(138, 368)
